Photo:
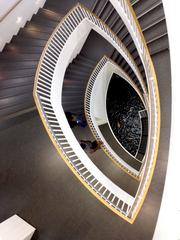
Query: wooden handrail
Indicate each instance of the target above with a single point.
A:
(119, 201)
(126, 12)
(43, 97)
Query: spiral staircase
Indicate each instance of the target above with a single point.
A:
(60, 55)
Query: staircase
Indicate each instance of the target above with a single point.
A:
(76, 78)
(19, 59)
(152, 21)
(79, 71)
(19, 62)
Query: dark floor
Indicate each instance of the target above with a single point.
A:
(37, 185)
(118, 149)
(102, 161)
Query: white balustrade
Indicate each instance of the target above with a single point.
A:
(61, 49)
(48, 101)
(134, 29)
(100, 79)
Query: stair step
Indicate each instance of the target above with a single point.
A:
(50, 14)
(58, 6)
(41, 20)
(26, 42)
(9, 92)
(84, 58)
(83, 63)
(16, 82)
(37, 27)
(14, 65)
(154, 13)
(15, 100)
(15, 108)
(11, 47)
(142, 7)
(112, 18)
(99, 6)
(158, 45)
(74, 68)
(155, 31)
(17, 73)
(113, 55)
(117, 26)
(18, 56)
(110, 14)
(70, 93)
(106, 11)
(145, 17)
(67, 87)
(19, 59)
(73, 99)
(31, 34)
(77, 75)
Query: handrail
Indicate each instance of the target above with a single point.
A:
(47, 83)
(141, 113)
(129, 18)
(91, 120)
(10, 10)
(53, 117)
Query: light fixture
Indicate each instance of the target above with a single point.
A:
(18, 20)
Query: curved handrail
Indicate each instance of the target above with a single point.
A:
(88, 106)
(47, 94)
(142, 114)
(129, 18)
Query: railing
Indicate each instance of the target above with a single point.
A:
(129, 18)
(89, 106)
(144, 135)
(47, 93)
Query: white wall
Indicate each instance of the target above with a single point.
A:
(168, 225)
(100, 88)
(17, 18)
(70, 49)
(99, 97)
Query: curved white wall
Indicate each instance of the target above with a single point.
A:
(71, 48)
(16, 18)
(168, 225)
(100, 90)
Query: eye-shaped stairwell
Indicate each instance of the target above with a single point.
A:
(17, 77)
(65, 142)
(48, 100)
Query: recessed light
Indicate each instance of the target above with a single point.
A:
(18, 20)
